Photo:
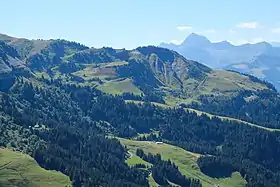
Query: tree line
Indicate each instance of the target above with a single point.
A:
(77, 120)
(165, 172)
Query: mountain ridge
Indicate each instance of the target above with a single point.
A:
(71, 100)
(159, 74)
(206, 40)
(165, 65)
(224, 55)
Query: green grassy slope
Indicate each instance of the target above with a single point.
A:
(20, 170)
(144, 69)
(217, 83)
(133, 159)
(152, 182)
(119, 87)
(186, 161)
(110, 82)
(230, 81)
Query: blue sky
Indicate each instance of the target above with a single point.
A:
(131, 23)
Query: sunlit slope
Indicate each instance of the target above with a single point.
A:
(186, 161)
(20, 170)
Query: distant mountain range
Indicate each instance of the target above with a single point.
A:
(275, 44)
(260, 59)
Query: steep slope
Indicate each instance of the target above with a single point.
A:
(39, 54)
(260, 59)
(20, 170)
(20, 56)
(9, 59)
(60, 136)
(167, 74)
(6, 38)
(157, 69)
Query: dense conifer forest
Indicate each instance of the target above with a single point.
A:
(71, 136)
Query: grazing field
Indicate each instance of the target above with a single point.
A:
(118, 87)
(230, 81)
(96, 71)
(101, 70)
(218, 83)
(115, 64)
(186, 161)
(134, 159)
(20, 170)
(109, 81)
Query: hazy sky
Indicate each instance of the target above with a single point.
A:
(130, 23)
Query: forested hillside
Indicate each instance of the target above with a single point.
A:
(61, 107)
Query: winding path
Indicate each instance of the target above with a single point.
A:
(130, 154)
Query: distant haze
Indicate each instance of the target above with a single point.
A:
(260, 59)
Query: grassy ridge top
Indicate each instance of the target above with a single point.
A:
(20, 170)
